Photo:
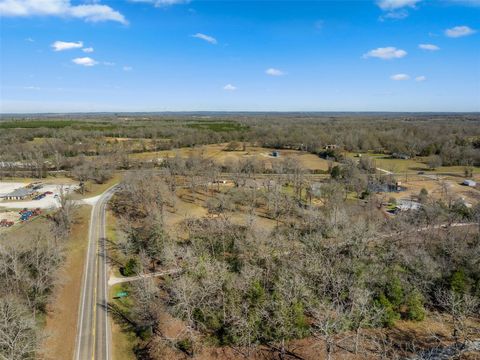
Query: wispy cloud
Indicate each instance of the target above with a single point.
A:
(88, 50)
(85, 61)
(274, 72)
(400, 77)
(428, 47)
(229, 87)
(396, 9)
(397, 15)
(207, 38)
(385, 53)
(389, 5)
(66, 45)
(459, 31)
(29, 39)
(421, 78)
(60, 8)
(162, 3)
(127, 68)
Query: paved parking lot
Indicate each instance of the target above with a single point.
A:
(49, 201)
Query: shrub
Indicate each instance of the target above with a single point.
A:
(415, 310)
(130, 268)
(458, 282)
(389, 314)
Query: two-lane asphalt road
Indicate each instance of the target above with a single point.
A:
(93, 332)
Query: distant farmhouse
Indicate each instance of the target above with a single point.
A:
(331, 147)
(402, 156)
(19, 194)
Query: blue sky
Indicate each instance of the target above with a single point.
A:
(178, 55)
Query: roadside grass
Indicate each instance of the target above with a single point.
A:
(124, 338)
(62, 315)
(116, 258)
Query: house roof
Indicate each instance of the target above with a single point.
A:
(19, 193)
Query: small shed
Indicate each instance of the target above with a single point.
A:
(275, 153)
(18, 194)
(468, 182)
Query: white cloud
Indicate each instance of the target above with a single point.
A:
(421, 78)
(60, 8)
(230, 87)
(459, 31)
(274, 72)
(389, 5)
(386, 53)
(31, 88)
(400, 77)
(162, 3)
(397, 15)
(206, 38)
(429, 47)
(127, 68)
(66, 45)
(108, 63)
(395, 9)
(85, 61)
(88, 50)
(29, 39)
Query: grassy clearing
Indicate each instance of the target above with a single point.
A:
(93, 189)
(410, 165)
(36, 225)
(61, 320)
(217, 153)
(61, 180)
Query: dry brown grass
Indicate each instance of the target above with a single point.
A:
(61, 320)
(217, 153)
